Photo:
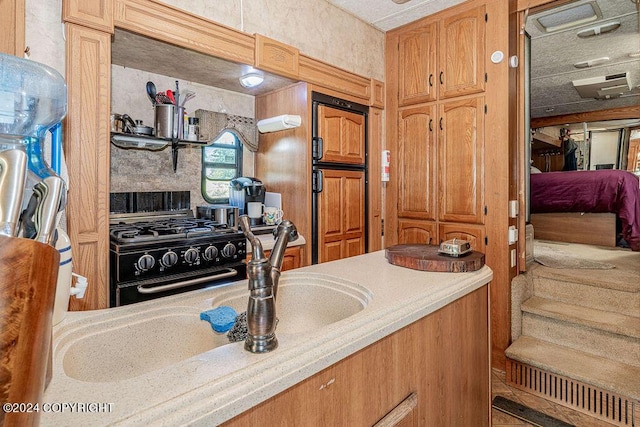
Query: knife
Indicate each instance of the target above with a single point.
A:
(13, 173)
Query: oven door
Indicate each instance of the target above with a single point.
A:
(138, 291)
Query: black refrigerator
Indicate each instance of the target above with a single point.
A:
(339, 178)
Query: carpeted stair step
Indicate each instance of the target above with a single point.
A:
(604, 320)
(601, 372)
(616, 279)
(561, 288)
(578, 336)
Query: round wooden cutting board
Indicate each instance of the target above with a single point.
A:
(427, 258)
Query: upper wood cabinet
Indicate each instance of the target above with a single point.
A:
(417, 58)
(417, 162)
(461, 53)
(442, 57)
(342, 133)
(461, 161)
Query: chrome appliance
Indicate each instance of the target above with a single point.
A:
(158, 248)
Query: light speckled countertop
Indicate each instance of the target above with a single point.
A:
(218, 384)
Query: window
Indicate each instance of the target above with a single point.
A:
(221, 162)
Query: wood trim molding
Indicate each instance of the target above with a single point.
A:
(12, 27)
(175, 26)
(272, 55)
(632, 112)
(377, 94)
(326, 75)
(86, 146)
(96, 14)
(539, 5)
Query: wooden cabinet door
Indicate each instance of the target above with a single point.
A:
(461, 53)
(473, 233)
(412, 231)
(292, 258)
(343, 135)
(417, 65)
(461, 161)
(417, 163)
(341, 221)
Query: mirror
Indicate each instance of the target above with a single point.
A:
(595, 145)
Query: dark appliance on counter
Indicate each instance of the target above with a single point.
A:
(339, 178)
(248, 195)
(158, 248)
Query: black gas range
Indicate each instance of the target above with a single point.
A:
(160, 253)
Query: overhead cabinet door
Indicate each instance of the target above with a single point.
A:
(417, 161)
(417, 65)
(343, 135)
(461, 53)
(461, 161)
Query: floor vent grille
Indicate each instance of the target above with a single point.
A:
(591, 400)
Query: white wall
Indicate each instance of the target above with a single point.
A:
(316, 27)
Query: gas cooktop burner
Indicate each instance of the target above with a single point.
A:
(164, 229)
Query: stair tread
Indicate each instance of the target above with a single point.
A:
(609, 321)
(619, 279)
(598, 371)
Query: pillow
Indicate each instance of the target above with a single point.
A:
(535, 170)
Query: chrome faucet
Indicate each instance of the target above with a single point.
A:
(264, 275)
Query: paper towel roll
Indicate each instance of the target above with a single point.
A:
(277, 123)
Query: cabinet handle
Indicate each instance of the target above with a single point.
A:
(430, 80)
(430, 125)
(441, 77)
(318, 148)
(441, 124)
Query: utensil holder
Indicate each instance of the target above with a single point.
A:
(169, 121)
(164, 118)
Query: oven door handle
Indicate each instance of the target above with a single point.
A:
(156, 289)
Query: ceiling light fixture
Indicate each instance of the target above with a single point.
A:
(252, 79)
(600, 29)
(400, 1)
(591, 62)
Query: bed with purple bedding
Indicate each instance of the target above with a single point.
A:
(594, 191)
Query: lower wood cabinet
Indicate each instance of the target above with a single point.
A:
(415, 231)
(475, 234)
(292, 258)
(432, 233)
(442, 358)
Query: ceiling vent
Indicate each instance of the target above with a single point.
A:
(568, 17)
(603, 87)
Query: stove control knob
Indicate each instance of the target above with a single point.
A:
(210, 253)
(170, 258)
(146, 262)
(229, 250)
(191, 256)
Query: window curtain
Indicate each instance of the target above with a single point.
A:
(213, 124)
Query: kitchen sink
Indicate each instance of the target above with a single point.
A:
(147, 342)
(128, 346)
(306, 302)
